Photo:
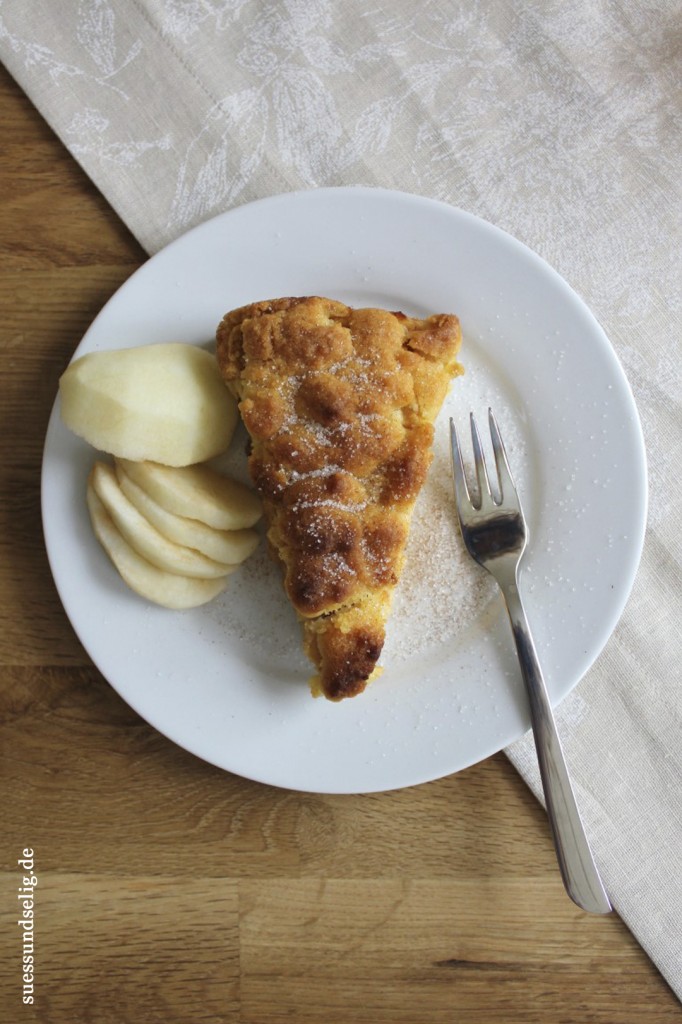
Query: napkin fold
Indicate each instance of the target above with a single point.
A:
(559, 123)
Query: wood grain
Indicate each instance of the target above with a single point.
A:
(171, 891)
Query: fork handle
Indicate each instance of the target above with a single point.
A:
(576, 863)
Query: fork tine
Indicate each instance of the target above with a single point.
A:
(504, 476)
(462, 496)
(484, 491)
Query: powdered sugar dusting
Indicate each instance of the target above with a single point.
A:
(442, 590)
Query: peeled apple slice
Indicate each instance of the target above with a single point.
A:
(153, 584)
(231, 546)
(197, 492)
(165, 402)
(146, 539)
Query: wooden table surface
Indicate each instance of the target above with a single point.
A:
(170, 891)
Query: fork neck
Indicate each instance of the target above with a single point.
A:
(504, 569)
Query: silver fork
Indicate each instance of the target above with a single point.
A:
(495, 534)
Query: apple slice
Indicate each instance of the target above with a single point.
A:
(153, 584)
(230, 546)
(197, 492)
(145, 538)
(163, 402)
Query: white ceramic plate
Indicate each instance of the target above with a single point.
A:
(228, 681)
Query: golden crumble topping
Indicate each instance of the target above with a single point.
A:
(339, 404)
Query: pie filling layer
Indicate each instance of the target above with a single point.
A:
(339, 404)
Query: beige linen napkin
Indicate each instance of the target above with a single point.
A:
(559, 122)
